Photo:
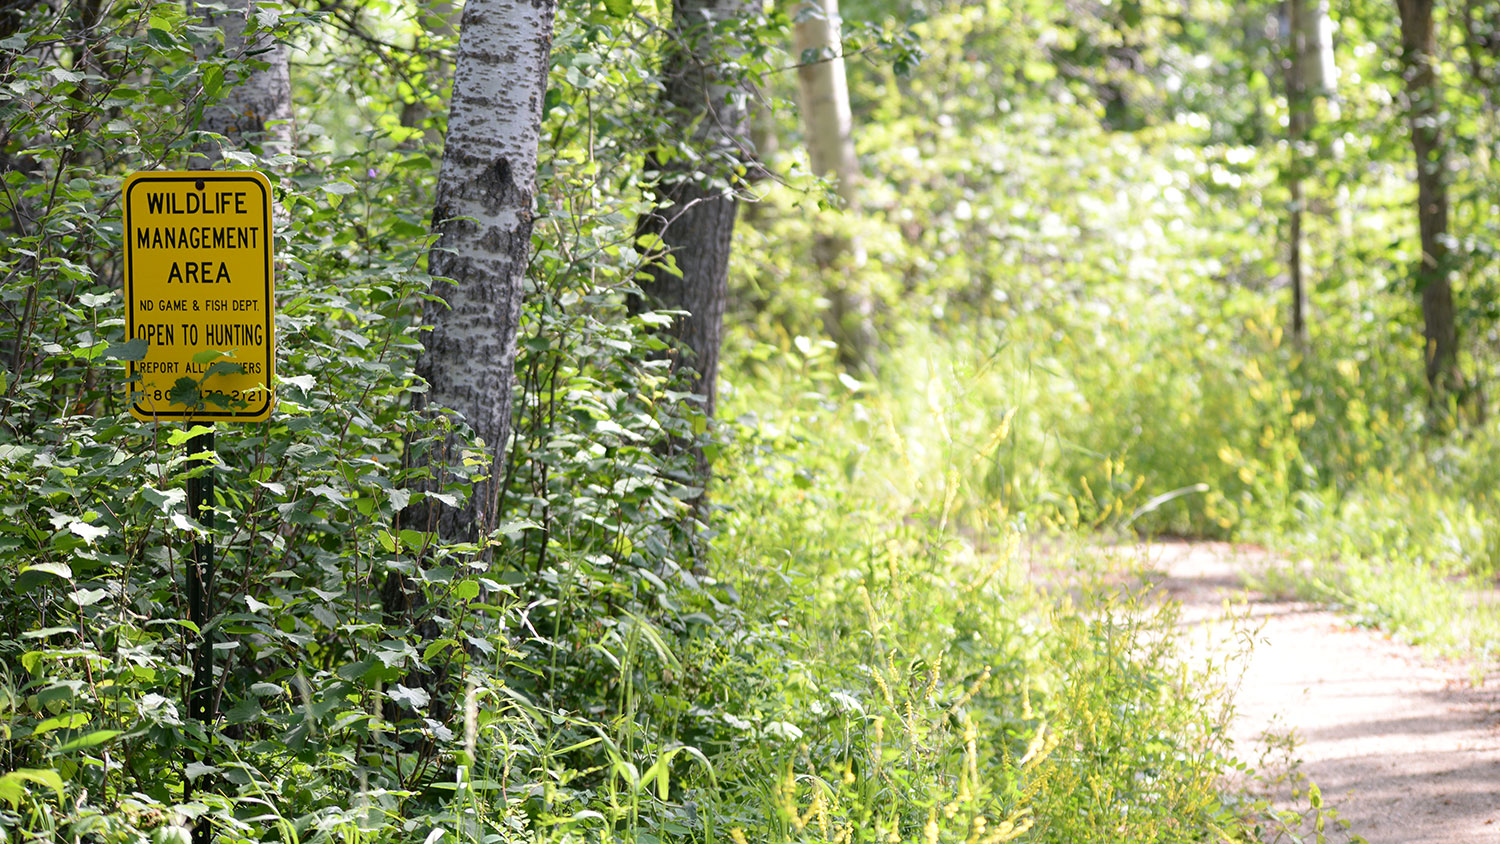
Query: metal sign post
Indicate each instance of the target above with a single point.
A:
(200, 584)
(199, 295)
(200, 580)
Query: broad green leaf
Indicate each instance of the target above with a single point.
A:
(194, 770)
(84, 742)
(163, 500)
(89, 533)
(387, 541)
(13, 785)
(179, 436)
(69, 721)
(129, 350)
(416, 699)
(89, 597)
(60, 569)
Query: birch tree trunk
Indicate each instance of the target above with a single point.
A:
(257, 104)
(1311, 74)
(828, 126)
(1424, 107)
(695, 218)
(488, 176)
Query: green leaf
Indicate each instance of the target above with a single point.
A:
(86, 531)
(356, 670)
(47, 631)
(213, 80)
(195, 770)
(414, 698)
(185, 391)
(13, 788)
(208, 356)
(466, 590)
(163, 500)
(387, 541)
(244, 712)
(619, 8)
(84, 742)
(399, 498)
(60, 569)
(69, 721)
(178, 437)
(129, 350)
(305, 383)
(89, 597)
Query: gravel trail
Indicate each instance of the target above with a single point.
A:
(1402, 747)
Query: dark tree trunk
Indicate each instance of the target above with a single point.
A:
(696, 226)
(1439, 328)
(694, 217)
(1299, 118)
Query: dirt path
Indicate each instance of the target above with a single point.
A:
(1402, 747)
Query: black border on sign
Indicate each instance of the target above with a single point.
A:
(206, 415)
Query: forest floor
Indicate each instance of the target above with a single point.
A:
(1404, 747)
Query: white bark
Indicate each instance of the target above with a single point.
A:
(828, 126)
(256, 106)
(1313, 34)
(826, 117)
(487, 176)
(1311, 75)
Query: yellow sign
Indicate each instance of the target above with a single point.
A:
(198, 291)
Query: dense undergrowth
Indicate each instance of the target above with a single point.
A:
(1080, 341)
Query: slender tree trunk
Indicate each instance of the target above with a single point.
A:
(483, 215)
(256, 108)
(1424, 106)
(693, 217)
(828, 124)
(1310, 74)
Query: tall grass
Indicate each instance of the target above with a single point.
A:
(905, 673)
